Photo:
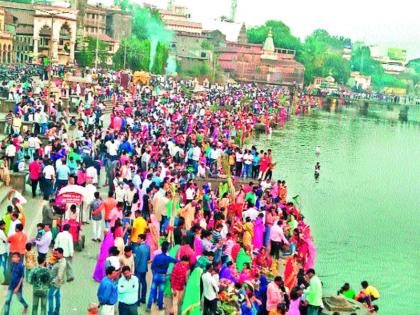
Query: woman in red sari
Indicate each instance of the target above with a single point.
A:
(263, 259)
(291, 271)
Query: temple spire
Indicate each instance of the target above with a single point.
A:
(269, 43)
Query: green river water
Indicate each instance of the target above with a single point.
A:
(364, 208)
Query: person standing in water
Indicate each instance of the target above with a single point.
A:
(317, 169)
(318, 150)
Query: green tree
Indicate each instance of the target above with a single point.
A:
(86, 56)
(137, 54)
(282, 36)
(414, 65)
(322, 55)
(160, 59)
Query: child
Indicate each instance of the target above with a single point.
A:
(30, 260)
(40, 231)
(93, 309)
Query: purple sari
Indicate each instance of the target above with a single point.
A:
(226, 273)
(107, 243)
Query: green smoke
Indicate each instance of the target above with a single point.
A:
(147, 24)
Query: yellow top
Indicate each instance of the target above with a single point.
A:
(139, 227)
(372, 291)
(30, 259)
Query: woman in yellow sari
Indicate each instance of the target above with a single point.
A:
(248, 230)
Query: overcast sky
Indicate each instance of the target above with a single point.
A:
(386, 23)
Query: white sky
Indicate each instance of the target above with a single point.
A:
(385, 23)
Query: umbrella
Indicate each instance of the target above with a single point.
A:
(75, 189)
(72, 194)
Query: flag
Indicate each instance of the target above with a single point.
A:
(297, 200)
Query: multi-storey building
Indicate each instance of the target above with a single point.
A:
(49, 31)
(260, 63)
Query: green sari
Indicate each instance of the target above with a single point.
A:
(242, 259)
(191, 302)
(172, 253)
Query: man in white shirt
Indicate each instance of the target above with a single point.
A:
(93, 174)
(190, 193)
(65, 241)
(247, 159)
(266, 184)
(112, 148)
(146, 183)
(120, 192)
(90, 196)
(145, 159)
(33, 144)
(15, 221)
(238, 159)
(10, 153)
(137, 180)
(210, 290)
(3, 247)
(49, 178)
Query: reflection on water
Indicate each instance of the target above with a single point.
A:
(364, 208)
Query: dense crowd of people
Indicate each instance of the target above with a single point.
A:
(173, 190)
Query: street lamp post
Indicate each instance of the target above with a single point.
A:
(97, 42)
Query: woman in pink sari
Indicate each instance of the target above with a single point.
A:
(107, 243)
(259, 230)
(310, 261)
(153, 235)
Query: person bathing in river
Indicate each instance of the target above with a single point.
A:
(317, 169)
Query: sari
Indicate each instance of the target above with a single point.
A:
(192, 297)
(107, 243)
(242, 259)
(259, 230)
(290, 272)
(248, 229)
(226, 273)
(172, 253)
(263, 259)
(310, 261)
(152, 238)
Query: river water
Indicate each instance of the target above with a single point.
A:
(364, 209)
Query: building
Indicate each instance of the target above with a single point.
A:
(6, 40)
(260, 63)
(394, 62)
(110, 25)
(188, 44)
(49, 31)
(177, 19)
(43, 31)
(96, 20)
(360, 81)
(347, 51)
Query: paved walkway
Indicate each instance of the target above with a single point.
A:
(76, 295)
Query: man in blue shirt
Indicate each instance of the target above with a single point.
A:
(63, 172)
(141, 258)
(15, 286)
(160, 266)
(108, 292)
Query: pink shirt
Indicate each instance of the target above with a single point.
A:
(277, 234)
(275, 296)
(115, 215)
